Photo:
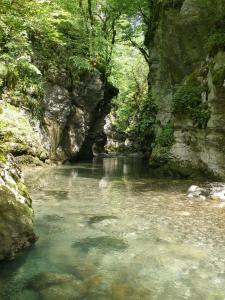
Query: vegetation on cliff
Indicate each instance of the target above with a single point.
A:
(124, 42)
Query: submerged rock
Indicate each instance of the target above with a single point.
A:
(99, 219)
(104, 243)
(47, 279)
(56, 286)
(93, 286)
(16, 214)
(82, 271)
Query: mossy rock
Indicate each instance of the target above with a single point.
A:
(28, 160)
(218, 77)
(16, 226)
(188, 101)
(20, 139)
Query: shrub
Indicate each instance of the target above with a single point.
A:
(216, 42)
(166, 137)
(219, 76)
(188, 100)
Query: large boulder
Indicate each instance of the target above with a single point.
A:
(16, 214)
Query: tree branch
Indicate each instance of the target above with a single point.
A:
(142, 50)
(90, 12)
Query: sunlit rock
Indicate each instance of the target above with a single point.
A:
(213, 191)
(16, 214)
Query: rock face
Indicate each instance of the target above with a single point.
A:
(16, 214)
(118, 142)
(187, 82)
(71, 126)
(74, 116)
(21, 135)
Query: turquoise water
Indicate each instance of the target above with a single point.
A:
(109, 231)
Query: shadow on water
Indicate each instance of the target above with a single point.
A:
(97, 219)
(8, 268)
(104, 244)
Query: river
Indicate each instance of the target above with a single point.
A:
(109, 231)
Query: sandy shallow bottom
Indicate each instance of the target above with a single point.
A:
(109, 231)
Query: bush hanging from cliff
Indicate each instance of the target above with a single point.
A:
(188, 100)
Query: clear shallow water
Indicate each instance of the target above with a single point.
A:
(108, 231)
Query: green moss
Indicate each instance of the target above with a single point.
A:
(216, 39)
(218, 76)
(23, 190)
(28, 160)
(188, 101)
(162, 145)
(19, 139)
(173, 3)
(114, 149)
(3, 124)
(166, 136)
(2, 157)
(216, 42)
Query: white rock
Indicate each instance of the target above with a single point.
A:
(203, 198)
(219, 195)
(194, 189)
(220, 205)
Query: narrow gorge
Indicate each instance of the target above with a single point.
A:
(112, 162)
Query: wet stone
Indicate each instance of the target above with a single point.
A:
(60, 195)
(105, 244)
(83, 271)
(53, 218)
(66, 291)
(47, 279)
(98, 219)
(56, 286)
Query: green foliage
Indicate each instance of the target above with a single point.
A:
(216, 39)
(166, 136)
(188, 101)
(134, 109)
(216, 42)
(163, 142)
(41, 40)
(23, 190)
(38, 41)
(218, 76)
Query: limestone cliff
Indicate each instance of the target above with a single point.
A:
(187, 83)
(74, 116)
(70, 126)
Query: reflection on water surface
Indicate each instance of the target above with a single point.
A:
(109, 231)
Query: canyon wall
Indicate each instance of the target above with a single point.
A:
(187, 81)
